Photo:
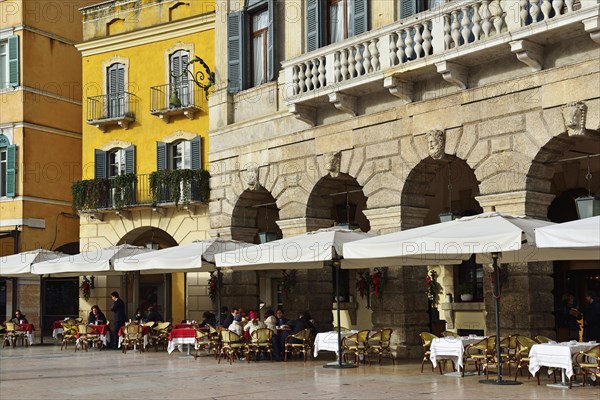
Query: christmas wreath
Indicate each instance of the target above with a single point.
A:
(85, 287)
(433, 288)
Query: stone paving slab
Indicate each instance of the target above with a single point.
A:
(46, 372)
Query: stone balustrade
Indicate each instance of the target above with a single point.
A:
(430, 37)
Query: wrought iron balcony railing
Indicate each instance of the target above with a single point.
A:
(180, 98)
(111, 109)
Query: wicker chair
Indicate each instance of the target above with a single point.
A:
(543, 339)
(160, 335)
(356, 344)
(69, 334)
(481, 352)
(379, 343)
(14, 332)
(202, 342)
(132, 335)
(215, 339)
(86, 335)
(589, 363)
(231, 346)
(261, 340)
(426, 339)
(524, 345)
(301, 342)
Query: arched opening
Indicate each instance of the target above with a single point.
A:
(164, 292)
(562, 168)
(255, 216)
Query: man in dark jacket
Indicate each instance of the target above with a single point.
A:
(591, 318)
(118, 310)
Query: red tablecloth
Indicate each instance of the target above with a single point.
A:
(27, 327)
(145, 330)
(100, 329)
(182, 333)
(57, 324)
(183, 326)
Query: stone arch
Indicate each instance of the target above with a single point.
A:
(436, 186)
(255, 213)
(145, 235)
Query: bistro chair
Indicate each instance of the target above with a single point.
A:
(86, 335)
(202, 342)
(448, 334)
(231, 345)
(481, 352)
(300, 342)
(14, 332)
(150, 324)
(69, 334)
(543, 339)
(160, 335)
(524, 345)
(261, 340)
(379, 343)
(589, 363)
(215, 339)
(132, 335)
(426, 339)
(356, 344)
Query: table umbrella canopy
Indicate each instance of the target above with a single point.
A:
(19, 265)
(450, 242)
(198, 256)
(581, 233)
(97, 261)
(307, 251)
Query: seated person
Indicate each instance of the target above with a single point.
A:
(253, 323)
(271, 321)
(208, 318)
(304, 321)
(236, 325)
(19, 318)
(281, 319)
(138, 316)
(96, 316)
(153, 315)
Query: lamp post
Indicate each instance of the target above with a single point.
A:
(449, 215)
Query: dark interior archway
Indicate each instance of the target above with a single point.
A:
(256, 210)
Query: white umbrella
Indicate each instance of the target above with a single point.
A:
(98, 261)
(307, 251)
(310, 250)
(19, 265)
(488, 235)
(198, 256)
(578, 234)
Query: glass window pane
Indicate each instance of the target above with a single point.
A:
(3, 65)
(336, 18)
(259, 61)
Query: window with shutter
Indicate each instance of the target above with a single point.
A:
(3, 64)
(100, 159)
(116, 90)
(8, 166)
(13, 61)
(130, 159)
(179, 79)
(234, 52)
(196, 153)
(411, 7)
(161, 156)
(314, 24)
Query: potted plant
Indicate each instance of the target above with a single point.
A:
(465, 290)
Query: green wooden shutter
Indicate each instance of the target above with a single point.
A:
(235, 45)
(161, 156)
(272, 64)
(360, 21)
(13, 61)
(314, 24)
(410, 7)
(130, 160)
(11, 170)
(100, 164)
(196, 150)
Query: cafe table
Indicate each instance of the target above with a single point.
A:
(30, 331)
(451, 348)
(181, 336)
(557, 355)
(328, 341)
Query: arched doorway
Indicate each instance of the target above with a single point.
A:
(254, 218)
(563, 166)
(164, 292)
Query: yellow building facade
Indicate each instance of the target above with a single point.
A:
(40, 143)
(145, 143)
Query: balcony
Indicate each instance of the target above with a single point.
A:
(446, 41)
(183, 98)
(130, 191)
(111, 109)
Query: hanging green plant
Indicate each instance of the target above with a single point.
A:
(179, 186)
(78, 192)
(124, 186)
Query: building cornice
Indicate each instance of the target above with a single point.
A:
(43, 128)
(35, 200)
(170, 30)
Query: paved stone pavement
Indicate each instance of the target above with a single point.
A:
(46, 372)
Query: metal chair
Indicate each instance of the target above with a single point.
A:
(426, 339)
(231, 345)
(297, 343)
(202, 342)
(160, 335)
(524, 345)
(14, 332)
(589, 363)
(356, 344)
(261, 340)
(132, 335)
(379, 343)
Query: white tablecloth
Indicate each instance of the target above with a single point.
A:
(555, 355)
(56, 332)
(451, 347)
(177, 342)
(328, 341)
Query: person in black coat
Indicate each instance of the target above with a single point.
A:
(154, 315)
(19, 317)
(591, 318)
(118, 310)
(96, 316)
(208, 318)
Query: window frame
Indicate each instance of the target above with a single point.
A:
(8, 178)
(470, 272)
(3, 170)
(4, 80)
(253, 34)
(345, 20)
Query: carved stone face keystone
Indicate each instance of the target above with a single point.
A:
(436, 144)
(574, 115)
(252, 178)
(332, 164)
